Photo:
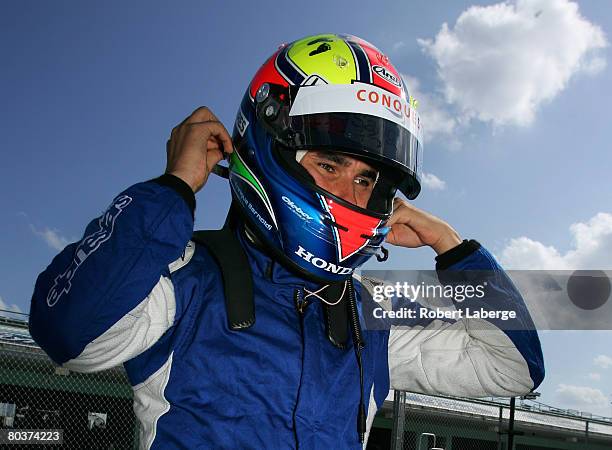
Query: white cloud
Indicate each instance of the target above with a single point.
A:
(592, 249)
(13, 307)
(51, 237)
(594, 376)
(499, 63)
(398, 45)
(603, 361)
(581, 397)
(432, 182)
(596, 65)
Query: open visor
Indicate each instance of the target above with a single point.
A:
(359, 119)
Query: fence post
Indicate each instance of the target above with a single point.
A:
(511, 424)
(399, 418)
(500, 427)
(586, 430)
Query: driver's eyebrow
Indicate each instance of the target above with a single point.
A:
(333, 157)
(371, 174)
(343, 161)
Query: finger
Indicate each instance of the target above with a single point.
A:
(205, 138)
(213, 158)
(172, 142)
(202, 114)
(403, 236)
(407, 213)
(222, 142)
(399, 213)
(218, 134)
(177, 128)
(395, 236)
(399, 203)
(403, 204)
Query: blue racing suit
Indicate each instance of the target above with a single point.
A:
(136, 291)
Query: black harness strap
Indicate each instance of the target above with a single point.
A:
(336, 316)
(236, 272)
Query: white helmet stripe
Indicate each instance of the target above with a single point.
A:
(361, 98)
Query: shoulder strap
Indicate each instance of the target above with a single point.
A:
(336, 313)
(236, 272)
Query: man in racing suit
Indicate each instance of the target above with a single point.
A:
(137, 291)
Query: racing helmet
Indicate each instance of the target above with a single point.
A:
(331, 93)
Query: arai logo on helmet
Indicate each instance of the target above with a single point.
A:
(296, 208)
(387, 75)
(321, 263)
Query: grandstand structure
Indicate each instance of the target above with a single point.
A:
(95, 410)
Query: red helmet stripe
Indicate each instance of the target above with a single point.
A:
(378, 59)
(267, 74)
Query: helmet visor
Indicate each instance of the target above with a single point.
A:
(377, 140)
(363, 120)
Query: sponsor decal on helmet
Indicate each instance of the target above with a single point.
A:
(314, 80)
(320, 263)
(295, 208)
(258, 216)
(387, 75)
(241, 122)
(393, 103)
(251, 208)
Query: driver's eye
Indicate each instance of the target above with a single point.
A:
(362, 181)
(327, 167)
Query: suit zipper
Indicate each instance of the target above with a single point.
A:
(300, 307)
(300, 303)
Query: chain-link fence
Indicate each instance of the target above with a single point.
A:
(422, 422)
(93, 410)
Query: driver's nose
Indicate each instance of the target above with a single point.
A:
(344, 188)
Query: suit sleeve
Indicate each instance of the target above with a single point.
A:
(470, 357)
(109, 296)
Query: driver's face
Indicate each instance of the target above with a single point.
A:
(345, 177)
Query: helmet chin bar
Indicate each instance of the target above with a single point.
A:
(255, 237)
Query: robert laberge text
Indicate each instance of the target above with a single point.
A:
(423, 313)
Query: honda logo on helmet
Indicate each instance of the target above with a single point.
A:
(320, 263)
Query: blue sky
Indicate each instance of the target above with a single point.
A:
(513, 95)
